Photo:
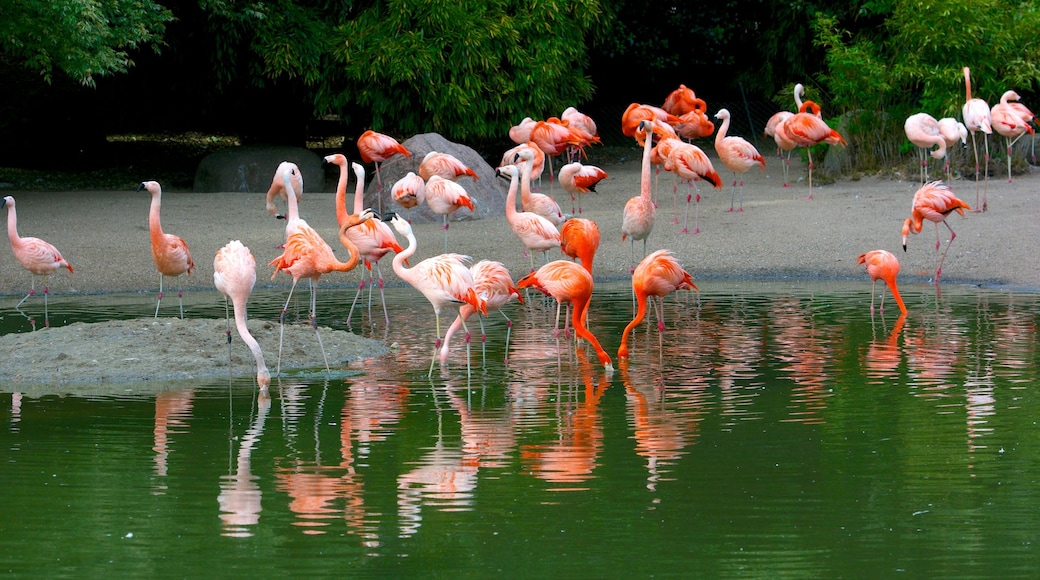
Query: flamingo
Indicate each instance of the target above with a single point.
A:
(171, 254)
(933, 202)
(234, 275)
(580, 121)
(658, 275)
(444, 280)
(784, 143)
(568, 282)
(492, 282)
(278, 187)
(882, 265)
(538, 203)
(535, 232)
(1012, 98)
(509, 158)
(695, 124)
(306, 255)
(40, 258)
(373, 239)
(736, 154)
(377, 148)
(637, 113)
(808, 129)
(521, 132)
(409, 191)
(689, 163)
(977, 118)
(1011, 122)
(553, 138)
(446, 165)
(579, 239)
(776, 120)
(578, 179)
(923, 131)
(680, 101)
(952, 131)
(637, 219)
(445, 197)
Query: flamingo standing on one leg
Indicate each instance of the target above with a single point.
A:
(492, 282)
(579, 239)
(637, 219)
(535, 232)
(882, 265)
(445, 197)
(234, 275)
(377, 148)
(952, 131)
(736, 154)
(1012, 98)
(933, 202)
(40, 258)
(444, 280)
(568, 282)
(808, 129)
(1010, 122)
(977, 118)
(171, 254)
(658, 275)
(306, 255)
(923, 131)
(578, 179)
(409, 191)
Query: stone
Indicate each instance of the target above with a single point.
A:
(251, 168)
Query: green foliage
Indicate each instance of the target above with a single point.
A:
(83, 39)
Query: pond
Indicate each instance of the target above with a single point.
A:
(773, 428)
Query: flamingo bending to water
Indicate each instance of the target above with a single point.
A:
(658, 275)
(882, 265)
(234, 275)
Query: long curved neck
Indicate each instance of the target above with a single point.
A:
(511, 198)
(399, 268)
(341, 195)
(644, 174)
(723, 129)
(292, 210)
(640, 314)
(578, 316)
(154, 225)
(254, 347)
(525, 180)
(967, 84)
(352, 249)
(891, 283)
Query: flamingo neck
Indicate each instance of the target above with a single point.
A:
(511, 198)
(399, 258)
(154, 224)
(578, 317)
(359, 192)
(644, 175)
(525, 180)
(254, 347)
(341, 196)
(723, 129)
(12, 226)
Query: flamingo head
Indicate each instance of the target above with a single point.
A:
(722, 114)
(151, 186)
(359, 171)
(400, 224)
(507, 171)
(335, 159)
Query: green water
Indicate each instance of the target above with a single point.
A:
(772, 430)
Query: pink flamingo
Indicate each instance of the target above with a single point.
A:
(808, 129)
(40, 258)
(445, 165)
(923, 131)
(578, 179)
(882, 265)
(277, 188)
(444, 280)
(521, 132)
(689, 163)
(171, 254)
(409, 191)
(492, 282)
(1011, 122)
(509, 158)
(538, 203)
(377, 148)
(637, 219)
(444, 197)
(952, 131)
(736, 154)
(535, 232)
(933, 202)
(977, 118)
(234, 275)
(658, 275)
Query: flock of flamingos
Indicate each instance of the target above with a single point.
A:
(450, 285)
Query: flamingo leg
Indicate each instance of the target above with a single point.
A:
(46, 315)
(509, 331)
(437, 343)
(314, 322)
(382, 295)
(953, 234)
(975, 149)
(361, 286)
(281, 327)
(985, 184)
(159, 300)
(787, 167)
(808, 150)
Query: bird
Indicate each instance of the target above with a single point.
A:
(952, 131)
(377, 148)
(976, 114)
(579, 239)
(521, 132)
(695, 124)
(445, 197)
(658, 275)
(306, 255)
(637, 219)
(234, 275)
(492, 282)
(923, 131)
(409, 191)
(568, 282)
(444, 280)
(535, 232)
(1012, 98)
(1010, 122)
(637, 113)
(689, 163)
(882, 265)
(373, 239)
(509, 158)
(783, 141)
(446, 165)
(680, 101)
(580, 121)
(278, 187)
(40, 258)
(776, 120)
(933, 202)
(578, 179)
(553, 138)
(808, 129)
(538, 203)
(736, 154)
(171, 254)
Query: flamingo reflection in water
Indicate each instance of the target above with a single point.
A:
(805, 348)
(883, 357)
(172, 412)
(240, 493)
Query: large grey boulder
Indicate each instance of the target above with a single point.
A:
(488, 192)
(251, 168)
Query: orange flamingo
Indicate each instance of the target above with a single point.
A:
(234, 275)
(923, 131)
(784, 143)
(695, 124)
(658, 275)
(171, 254)
(444, 280)
(568, 282)
(637, 219)
(446, 165)
(933, 202)
(582, 122)
(377, 148)
(736, 154)
(637, 113)
(776, 120)
(977, 118)
(277, 188)
(579, 239)
(40, 258)
(445, 197)
(578, 179)
(807, 129)
(373, 239)
(1011, 122)
(409, 191)
(306, 255)
(492, 282)
(952, 131)
(680, 101)
(538, 203)
(535, 232)
(882, 265)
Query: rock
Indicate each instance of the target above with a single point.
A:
(488, 192)
(250, 168)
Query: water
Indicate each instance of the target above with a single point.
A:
(773, 429)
